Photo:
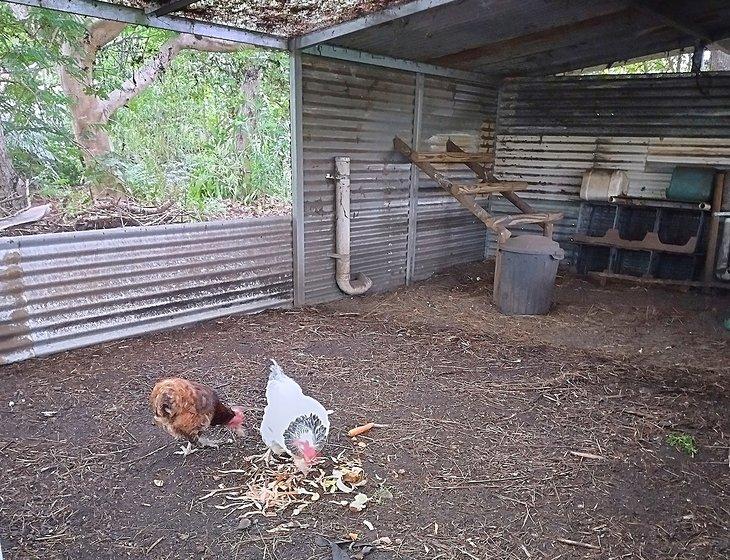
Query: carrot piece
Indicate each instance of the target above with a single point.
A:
(361, 429)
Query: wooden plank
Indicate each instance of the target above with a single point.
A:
(493, 188)
(603, 276)
(531, 43)
(425, 166)
(446, 157)
(479, 170)
(468, 201)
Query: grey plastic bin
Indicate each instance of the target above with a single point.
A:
(524, 277)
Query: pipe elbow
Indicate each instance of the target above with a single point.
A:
(354, 286)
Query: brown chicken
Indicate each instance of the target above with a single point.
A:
(186, 409)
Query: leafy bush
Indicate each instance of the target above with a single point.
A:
(33, 110)
(179, 137)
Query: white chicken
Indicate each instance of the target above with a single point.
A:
(293, 422)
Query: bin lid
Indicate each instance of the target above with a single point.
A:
(533, 245)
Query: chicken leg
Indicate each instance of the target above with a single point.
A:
(207, 442)
(186, 450)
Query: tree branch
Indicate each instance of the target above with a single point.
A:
(145, 76)
(100, 33)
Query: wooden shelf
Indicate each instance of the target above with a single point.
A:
(651, 242)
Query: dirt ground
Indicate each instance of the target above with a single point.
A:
(486, 416)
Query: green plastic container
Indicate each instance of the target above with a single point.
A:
(691, 184)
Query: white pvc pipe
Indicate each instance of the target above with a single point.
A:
(359, 284)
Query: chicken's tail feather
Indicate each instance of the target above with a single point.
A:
(275, 370)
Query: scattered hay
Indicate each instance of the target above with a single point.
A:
(274, 486)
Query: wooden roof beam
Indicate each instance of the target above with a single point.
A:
(162, 9)
(661, 12)
(371, 20)
(532, 42)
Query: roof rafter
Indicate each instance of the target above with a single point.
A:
(364, 22)
(533, 42)
(352, 55)
(665, 14)
(124, 14)
(162, 9)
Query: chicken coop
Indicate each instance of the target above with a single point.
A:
(440, 150)
(451, 139)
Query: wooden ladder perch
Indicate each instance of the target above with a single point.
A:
(466, 194)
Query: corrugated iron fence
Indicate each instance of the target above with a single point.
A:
(62, 291)
(67, 290)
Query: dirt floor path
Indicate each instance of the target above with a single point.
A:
(509, 437)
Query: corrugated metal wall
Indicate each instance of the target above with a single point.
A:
(447, 233)
(673, 106)
(550, 130)
(67, 290)
(355, 110)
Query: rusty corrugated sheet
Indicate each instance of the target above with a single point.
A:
(355, 110)
(67, 290)
(673, 106)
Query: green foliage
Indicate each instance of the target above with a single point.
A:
(33, 110)
(683, 442)
(180, 139)
(662, 65)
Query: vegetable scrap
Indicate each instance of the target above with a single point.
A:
(359, 430)
(272, 487)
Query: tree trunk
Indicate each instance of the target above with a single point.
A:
(247, 113)
(88, 120)
(13, 193)
(91, 113)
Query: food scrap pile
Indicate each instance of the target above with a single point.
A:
(274, 487)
